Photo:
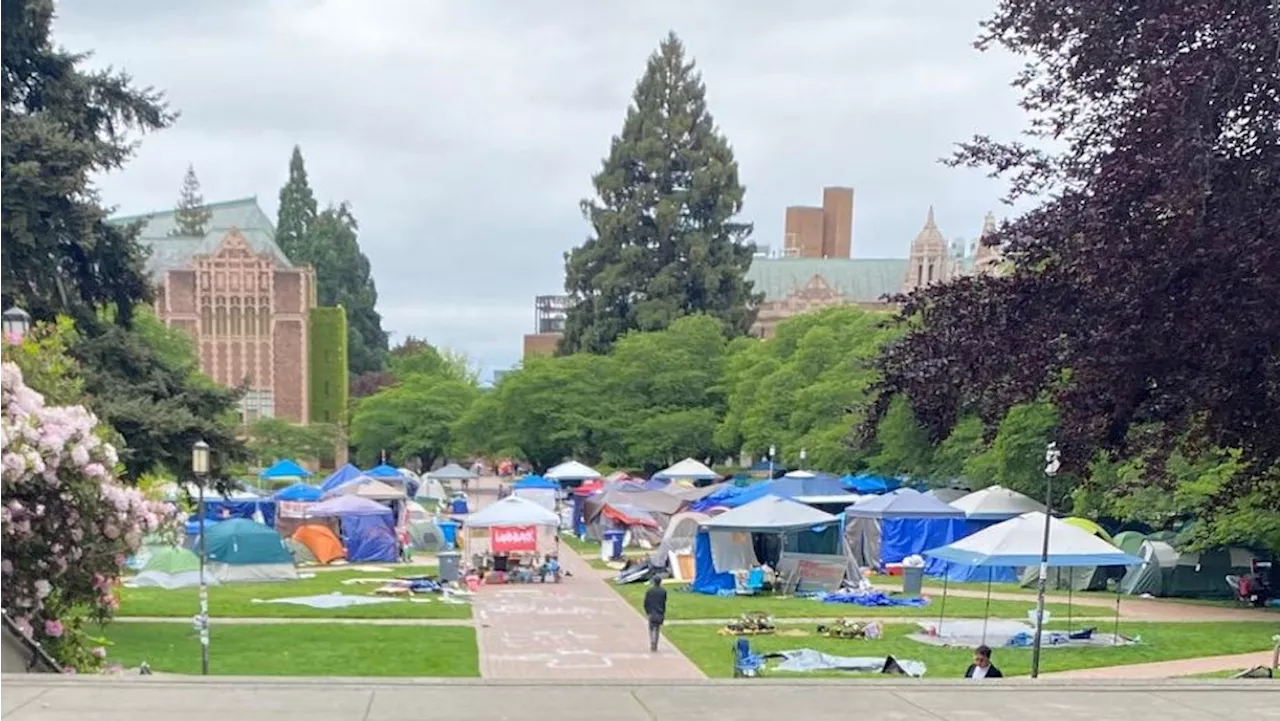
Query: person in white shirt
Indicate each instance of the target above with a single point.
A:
(981, 666)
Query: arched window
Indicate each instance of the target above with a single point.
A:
(931, 272)
(220, 318)
(206, 320)
(250, 321)
(264, 322)
(236, 327)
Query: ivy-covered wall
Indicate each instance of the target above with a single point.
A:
(327, 328)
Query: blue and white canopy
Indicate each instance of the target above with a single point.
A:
(1017, 542)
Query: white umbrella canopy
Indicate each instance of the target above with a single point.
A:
(1018, 542)
(996, 503)
(572, 471)
(512, 511)
(690, 469)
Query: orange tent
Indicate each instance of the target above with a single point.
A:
(321, 542)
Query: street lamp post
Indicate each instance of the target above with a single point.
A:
(200, 468)
(772, 450)
(14, 324)
(1051, 464)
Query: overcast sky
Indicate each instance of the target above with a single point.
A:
(464, 133)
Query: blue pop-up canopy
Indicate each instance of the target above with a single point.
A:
(298, 492)
(535, 481)
(868, 483)
(285, 469)
(383, 470)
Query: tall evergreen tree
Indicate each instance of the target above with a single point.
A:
(192, 215)
(665, 241)
(343, 278)
(297, 208)
(64, 125)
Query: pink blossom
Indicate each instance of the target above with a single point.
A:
(95, 470)
(53, 628)
(99, 652)
(6, 566)
(43, 588)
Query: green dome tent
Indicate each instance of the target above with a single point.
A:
(1130, 542)
(1078, 578)
(302, 556)
(170, 567)
(241, 550)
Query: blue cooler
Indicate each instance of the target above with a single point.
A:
(449, 531)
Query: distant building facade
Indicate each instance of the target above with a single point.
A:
(549, 312)
(240, 299)
(825, 232)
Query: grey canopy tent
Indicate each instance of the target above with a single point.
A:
(450, 472)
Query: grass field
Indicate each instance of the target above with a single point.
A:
(1160, 642)
(236, 599)
(299, 650)
(683, 605)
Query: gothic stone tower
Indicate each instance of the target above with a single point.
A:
(929, 261)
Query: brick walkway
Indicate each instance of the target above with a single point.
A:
(579, 629)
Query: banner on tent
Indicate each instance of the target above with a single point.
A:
(809, 572)
(505, 539)
(292, 509)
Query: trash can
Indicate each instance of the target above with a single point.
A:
(449, 532)
(611, 546)
(912, 580)
(449, 562)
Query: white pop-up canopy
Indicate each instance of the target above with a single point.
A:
(996, 503)
(450, 472)
(512, 511)
(1018, 542)
(770, 514)
(688, 469)
(572, 471)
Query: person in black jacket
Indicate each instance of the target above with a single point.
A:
(655, 608)
(981, 666)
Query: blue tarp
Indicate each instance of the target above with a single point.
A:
(959, 573)
(734, 496)
(383, 470)
(285, 469)
(902, 537)
(818, 485)
(535, 481)
(369, 538)
(340, 477)
(298, 492)
(871, 598)
(867, 483)
(224, 508)
(705, 577)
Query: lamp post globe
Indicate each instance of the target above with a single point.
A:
(14, 324)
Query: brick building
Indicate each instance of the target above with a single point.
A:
(240, 299)
(548, 325)
(825, 232)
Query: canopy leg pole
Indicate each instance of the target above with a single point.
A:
(986, 614)
(942, 610)
(1070, 588)
(1115, 641)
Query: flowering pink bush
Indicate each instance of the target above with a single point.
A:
(67, 523)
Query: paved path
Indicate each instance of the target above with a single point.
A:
(1172, 669)
(577, 629)
(55, 698)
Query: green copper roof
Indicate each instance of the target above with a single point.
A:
(170, 252)
(858, 279)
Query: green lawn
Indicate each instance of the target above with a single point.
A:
(236, 599)
(1160, 642)
(586, 549)
(684, 605)
(299, 650)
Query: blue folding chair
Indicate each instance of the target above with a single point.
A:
(746, 663)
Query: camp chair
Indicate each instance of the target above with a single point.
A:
(752, 584)
(746, 663)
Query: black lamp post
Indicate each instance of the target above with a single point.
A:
(1051, 464)
(14, 323)
(200, 468)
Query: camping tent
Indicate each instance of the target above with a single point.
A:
(542, 491)
(368, 527)
(1079, 578)
(170, 567)
(241, 550)
(995, 503)
(402, 478)
(948, 494)
(302, 556)
(1165, 572)
(886, 529)
(527, 524)
(298, 492)
(679, 537)
(320, 541)
(1018, 542)
(688, 470)
(432, 490)
(1129, 541)
(343, 475)
(572, 471)
(426, 536)
(657, 505)
(285, 470)
(758, 532)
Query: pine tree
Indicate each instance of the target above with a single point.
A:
(192, 215)
(665, 242)
(297, 208)
(343, 277)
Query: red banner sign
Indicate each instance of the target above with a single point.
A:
(504, 539)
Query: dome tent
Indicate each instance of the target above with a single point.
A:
(302, 556)
(241, 550)
(170, 567)
(320, 542)
(1079, 578)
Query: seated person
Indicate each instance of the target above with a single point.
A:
(981, 666)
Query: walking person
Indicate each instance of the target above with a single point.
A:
(981, 666)
(655, 607)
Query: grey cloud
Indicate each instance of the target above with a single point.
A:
(465, 133)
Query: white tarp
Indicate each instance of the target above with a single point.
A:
(331, 600)
(770, 515)
(807, 659)
(996, 503)
(512, 511)
(732, 551)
